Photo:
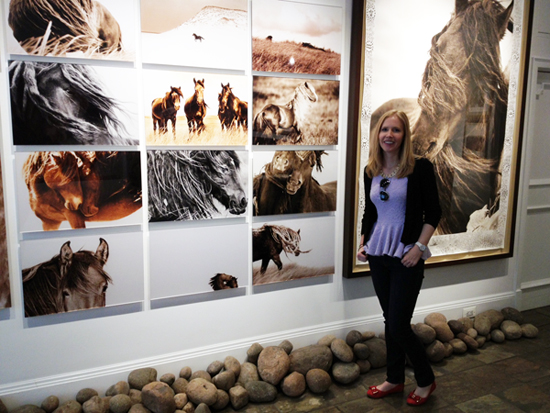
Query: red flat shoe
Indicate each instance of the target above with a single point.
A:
(375, 393)
(415, 400)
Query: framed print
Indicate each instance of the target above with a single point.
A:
(296, 37)
(198, 184)
(5, 290)
(179, 267)
(183, 108)
(292, 249)
(294, 182)
(290, 111)
(64, 190)
(81, 272)
(201, 33)
(93, 29)
(72, 104)
(461, 88)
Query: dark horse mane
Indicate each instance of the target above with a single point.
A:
(32, 111)
(183, 184)
(43, 283)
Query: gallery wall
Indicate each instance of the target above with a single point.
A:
(62, 353)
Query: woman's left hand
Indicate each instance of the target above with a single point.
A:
(412, 257)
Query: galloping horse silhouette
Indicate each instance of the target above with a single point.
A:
(166, 109)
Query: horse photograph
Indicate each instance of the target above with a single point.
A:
(72, 190)
(292, 249)
(200, 33)
(212, 109)
(60, 275)
(310, 41)
(294, 182)
(72, 104)
(456, 88)
(5, 291)
(291, 111)
(197, 184)
(94, 29)
(201, 259)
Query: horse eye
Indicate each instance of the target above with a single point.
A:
(104, 289)
(65, 294)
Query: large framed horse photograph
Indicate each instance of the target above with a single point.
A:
(92, 29)
(75, 190)
(457, 71)
(185, 108)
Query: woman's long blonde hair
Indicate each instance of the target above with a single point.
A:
(406, 156)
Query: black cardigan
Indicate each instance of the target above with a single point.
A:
(422, 203)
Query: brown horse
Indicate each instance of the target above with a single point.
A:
(222, 281)
(268, 242)
(232, 111)
(166, 109)
(287, 186)
(57, 27)
(458, 120)
(195, 108)
(275, 122)
(69, 281)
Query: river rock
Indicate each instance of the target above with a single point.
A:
(367, 335)
(181, 400)
(481, 341)
(273, 364)
(231, 363)
(139, 408)
(27, 408)
(261, 392)
(222, 401)
(353, 337)
(135, 396)
(345, 373)
(185, 372)
(238, 397)
(341, 350)
(249, 372)
(4, 409)
(70, 406)
(435, 318)
(158, 397)
(95, 405)
(202, 391)
(497, 336)
(448, 349)
(294, 385)
(120, 403)
(443, 332)
(202, 408)
(456, 326)
(327, 340)
(361, 351)
(424, 332)
(140, 377)
(286, 346)
(472, 332)
(121, 387)
(364, 366)
(201, 374)
(467, 322)
(310, 357)
(168, 378)
(378, 353)
(214, 368)
(470, 342)
(189, 408)
(180, 385)
(318, 380)
(86, 394)
(487, 321)
(511, 330)
(436, 351)
(459, 346)
(511, 313)
(529, 331)
(49, 404)
(224, 380)
(253, 352)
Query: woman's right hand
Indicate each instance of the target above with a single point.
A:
(361, 254)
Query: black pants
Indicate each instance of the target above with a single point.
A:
(397, 288)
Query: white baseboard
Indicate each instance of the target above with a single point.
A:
(66, 386)
(534, 294)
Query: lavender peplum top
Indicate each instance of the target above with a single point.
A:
(385, 238)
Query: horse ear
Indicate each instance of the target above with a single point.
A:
(194, 81)
(298, 231)
(503, 20)
(460, 5)
(102, 252)
(65, 258)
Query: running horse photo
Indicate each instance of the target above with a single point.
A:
(232, 111)
(166, 109)
(195, 108)
(189, 185)
(458, 120)
(62, 104)
(57, 27)
(69, 281)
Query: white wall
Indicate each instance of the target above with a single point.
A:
(62, 355)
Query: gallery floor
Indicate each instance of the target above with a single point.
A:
(512, 377)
